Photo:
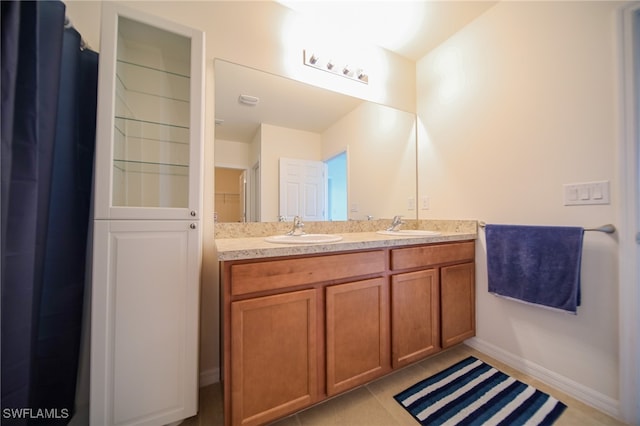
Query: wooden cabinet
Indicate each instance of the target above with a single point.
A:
(297, 330)
(274, 363)
(415, 316)
(357, 324)
(432, 307)
(147, 241)
(457, 303)
(275, 316)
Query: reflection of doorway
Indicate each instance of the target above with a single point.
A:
(337, 187)
(254, 206)
(229, 187)
(302, 189)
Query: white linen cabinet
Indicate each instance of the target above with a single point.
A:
(147, 232)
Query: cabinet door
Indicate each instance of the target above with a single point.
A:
(150, 114)
(357, 332)
(144, 326)
(415, 320)
(273, 356)
(457, 303)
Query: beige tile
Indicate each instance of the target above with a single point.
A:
(373, 404)
(444, 359)
(209, 408)
(355, 408)
(211, 405)
(288, 421)
(386, 388)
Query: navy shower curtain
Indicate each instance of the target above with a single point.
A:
(49, 89)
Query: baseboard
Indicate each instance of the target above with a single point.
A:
(580, 392)
(209, 377)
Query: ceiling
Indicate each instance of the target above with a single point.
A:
(417, 27)
(410, 28)
(282, 102)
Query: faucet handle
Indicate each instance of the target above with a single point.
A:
(395, 223)
(298, 226)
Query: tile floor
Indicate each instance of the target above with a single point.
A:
(373, 404)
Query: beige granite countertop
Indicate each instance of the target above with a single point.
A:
(255, 247)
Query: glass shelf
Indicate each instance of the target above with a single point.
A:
(150, 81)
(151, 146)
(152, 68)
(151, 130)
(148, 167)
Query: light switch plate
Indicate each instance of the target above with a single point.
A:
(411, 203)
(587, 193)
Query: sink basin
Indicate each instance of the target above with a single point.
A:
(410, 233)
(303, 239)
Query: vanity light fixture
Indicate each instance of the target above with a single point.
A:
(345, 70)
(248, 100)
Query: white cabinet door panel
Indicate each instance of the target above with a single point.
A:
(148, 281)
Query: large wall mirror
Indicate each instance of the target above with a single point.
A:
(284, 148)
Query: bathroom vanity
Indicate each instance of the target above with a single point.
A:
(303, 323)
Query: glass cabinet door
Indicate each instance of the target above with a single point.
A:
(155, 133)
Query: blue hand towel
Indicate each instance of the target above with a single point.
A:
(535, 264)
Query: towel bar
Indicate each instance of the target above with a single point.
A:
(608, 228)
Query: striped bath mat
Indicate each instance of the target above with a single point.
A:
(474, 393)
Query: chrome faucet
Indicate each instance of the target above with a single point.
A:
(298, 227)
(395, 223)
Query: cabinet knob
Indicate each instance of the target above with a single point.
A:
(193, 226)
(193, 213)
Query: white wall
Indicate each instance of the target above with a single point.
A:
(232, 154)
(267, 36)
(381, 146)
(519, 102)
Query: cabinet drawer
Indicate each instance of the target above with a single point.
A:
(275, 274)
(415, 257)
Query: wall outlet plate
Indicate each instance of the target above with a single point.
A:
(424, 202)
